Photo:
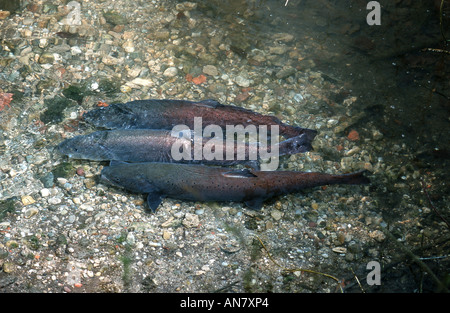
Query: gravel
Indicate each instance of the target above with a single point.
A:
(63, 231)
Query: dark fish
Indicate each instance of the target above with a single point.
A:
(155, 145)
(204, 183)
(165, 114)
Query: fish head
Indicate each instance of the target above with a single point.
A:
(114, 116)
(84, 147)
(298, 144)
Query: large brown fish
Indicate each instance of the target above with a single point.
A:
(165, 114)
(204, 183)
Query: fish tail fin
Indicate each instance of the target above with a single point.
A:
(294, 145)
(356, 178)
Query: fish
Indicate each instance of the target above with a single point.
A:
(156, 145)
(207, 183)
(166, 113)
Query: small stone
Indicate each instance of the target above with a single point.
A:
(80, 171)
(166, 235)
(54, 200)
(186, 6)
(378, 235)
(31, 212)
(130, 238)
(8, 267)
(242, 81)
(353, 151)
(284, 73)
(4, 14)
(277, 50)
(342, 250)
(11, 244)
(283, 37)
(210, 70)
(89, 183)
(128, 46)
(353, 135)
(46, 58)
(191, 220)
(141, 82)
(168, 222)
(276, 215)
(171, 72)
(27, 200)
(377, 135)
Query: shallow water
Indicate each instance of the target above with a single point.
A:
(317, 64)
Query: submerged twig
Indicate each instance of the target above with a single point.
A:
(416, 259)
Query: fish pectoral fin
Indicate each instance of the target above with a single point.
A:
(255, 204)
(153, 201)
(244, 173)
(254, 165)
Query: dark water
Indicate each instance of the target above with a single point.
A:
(401, 86)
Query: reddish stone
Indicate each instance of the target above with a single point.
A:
(353, 135)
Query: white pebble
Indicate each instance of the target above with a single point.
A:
(45, 192)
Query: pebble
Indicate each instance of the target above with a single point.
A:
(286, 72)
(8, 267)
(278, 50)
(242, 81)
(31, 212)
(191, 220)
(27, 200)
(171, 72)
(285, 37)
(54, 200)
(46, 58)
(128, 46)
(135, 83)
(353, 135)
(166, 235)
(276, 214)
(131, 238)
(341, 250)
(378, 235)
(210, 70)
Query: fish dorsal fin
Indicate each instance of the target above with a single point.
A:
(255, 204)
(210, 103)
(153, 201)
(244, 173)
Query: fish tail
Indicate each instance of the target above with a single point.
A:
(288, 131)
(294, 145)
(356, 178)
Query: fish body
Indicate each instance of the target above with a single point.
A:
(165, 114)
(155, 145)
(205, 183)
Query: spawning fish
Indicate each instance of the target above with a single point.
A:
(155, 145)
(205, 183)
(165, 114)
